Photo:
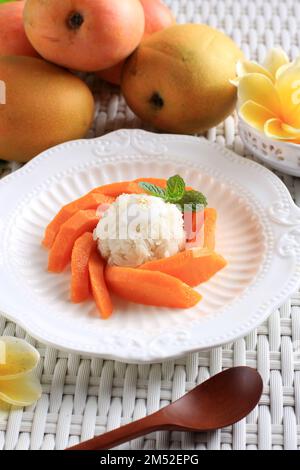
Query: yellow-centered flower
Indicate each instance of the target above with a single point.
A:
(269, 95)
(18, 384)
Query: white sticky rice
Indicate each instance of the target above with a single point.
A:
(137, 228)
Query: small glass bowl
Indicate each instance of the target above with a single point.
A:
(283, 156)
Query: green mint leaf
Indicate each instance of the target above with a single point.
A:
(175, 188)
(193, 201)
(175, 193)
(153, 189)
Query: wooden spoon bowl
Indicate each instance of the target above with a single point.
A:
(220, 401)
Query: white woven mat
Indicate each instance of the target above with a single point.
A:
(83, 397)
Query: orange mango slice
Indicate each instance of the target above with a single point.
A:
(98, 285)
(89, 201)
(80, 278)
(190, 266)
(150, 287)
(60, 253)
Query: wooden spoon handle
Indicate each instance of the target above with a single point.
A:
(123, 434)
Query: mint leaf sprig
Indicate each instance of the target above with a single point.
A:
(176, 193)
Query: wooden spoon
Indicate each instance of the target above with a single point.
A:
(221, 401)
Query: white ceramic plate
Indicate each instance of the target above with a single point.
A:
(258, 232)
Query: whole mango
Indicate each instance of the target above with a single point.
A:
(85, 35)
(178, 80)
(13, 40)
(44, 106)
(157, 17)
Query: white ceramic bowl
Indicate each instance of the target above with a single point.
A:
(258, 232)
(283, 156)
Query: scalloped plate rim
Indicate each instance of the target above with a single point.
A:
(132, 359)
